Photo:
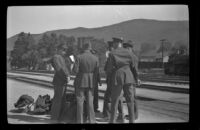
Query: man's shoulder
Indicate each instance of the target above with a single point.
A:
(57, 56)
(87, 55)
(119, 51)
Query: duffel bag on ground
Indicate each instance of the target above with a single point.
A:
(68, 112)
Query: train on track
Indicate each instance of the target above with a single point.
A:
(177, 65)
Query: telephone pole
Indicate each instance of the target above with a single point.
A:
(162, 41)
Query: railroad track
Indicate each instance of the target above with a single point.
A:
(143, 85)
(166, 77)
(161, 79)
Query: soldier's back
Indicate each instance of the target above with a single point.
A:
(88, 62)
(122, 57)
(123, 60)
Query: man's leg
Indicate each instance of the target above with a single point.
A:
(96, 98)
(115, 97)
(135, 104)
(56, 104)
(90, 107)
(80, 100)
(107, 100)
(129, 96)
(121, 110)
(85, 116)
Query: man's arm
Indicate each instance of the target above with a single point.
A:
(57, 63)
(110, 64)
(97, 71)
(134, 69)
(76, 65)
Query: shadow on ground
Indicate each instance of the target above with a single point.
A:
(17, 111)
(31, 119)
(145, 99)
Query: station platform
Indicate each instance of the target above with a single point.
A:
(17, 88)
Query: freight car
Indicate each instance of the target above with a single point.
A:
(177, 65)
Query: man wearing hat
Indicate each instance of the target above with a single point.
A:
(107, 96)
(61, 77)
(129, 46)
(86, 64)
(121, 62)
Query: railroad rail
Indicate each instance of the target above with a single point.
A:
(153, 78)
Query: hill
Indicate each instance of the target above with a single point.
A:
(137, 30)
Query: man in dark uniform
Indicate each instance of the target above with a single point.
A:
(61, 77)
(129, 45)
(121, 62)
(107, 96)
(86, 65)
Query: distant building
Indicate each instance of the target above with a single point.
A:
(159, 59)
(166, 59)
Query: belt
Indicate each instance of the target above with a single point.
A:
(125, 66)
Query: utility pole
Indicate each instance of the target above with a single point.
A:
(162, 41)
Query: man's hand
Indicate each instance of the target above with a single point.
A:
(68, 79)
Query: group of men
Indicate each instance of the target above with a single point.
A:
(122, 78)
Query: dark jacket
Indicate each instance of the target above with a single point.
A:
(120, 63)
(86, 67)
(61, 71)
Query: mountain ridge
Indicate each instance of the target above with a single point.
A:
(137, 30)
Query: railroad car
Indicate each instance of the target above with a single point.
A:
(177, 65)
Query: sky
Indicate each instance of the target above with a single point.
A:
(39, 19)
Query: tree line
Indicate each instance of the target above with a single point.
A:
(27, 53)
(178, 47)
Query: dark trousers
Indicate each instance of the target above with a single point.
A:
(57, 104)
(135, 104)
(116, 95)
(107, 102)
(85, 94)
(96, 97)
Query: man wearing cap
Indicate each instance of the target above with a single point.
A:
(121, 62)
(61, 77)
(129, 46)
(86, 64)
(107, 96)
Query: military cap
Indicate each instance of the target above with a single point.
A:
(62, 47)
(117, 39)
(87, 45)
(127, 44)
